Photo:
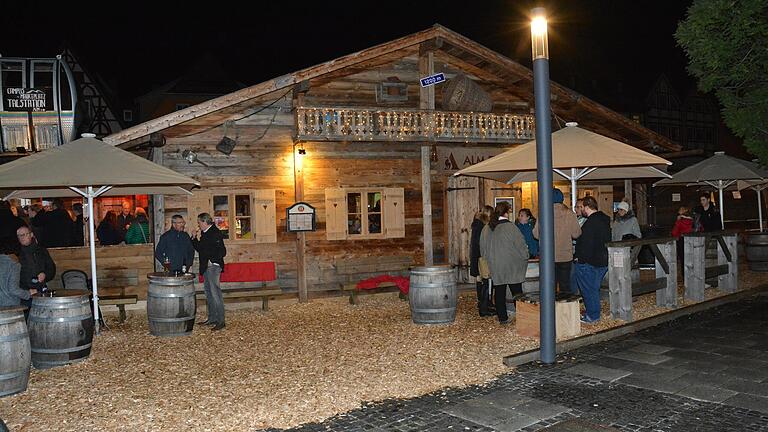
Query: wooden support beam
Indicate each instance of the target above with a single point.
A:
(661, 259)
(727, 255)
(666, 267)
(641, 210)
(628, 194)
(426, 202)
(426, 68)
(301, 241)
(620, 282)
(694, 248)
(158, 207)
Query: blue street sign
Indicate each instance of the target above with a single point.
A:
(432, 80)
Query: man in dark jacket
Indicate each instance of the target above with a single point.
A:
(37, 266)
(9, 223)
(705, 216)
(176, 245)
(592, 258)
(57, 226)
(78, 234)
(125, 219)
(209, 244)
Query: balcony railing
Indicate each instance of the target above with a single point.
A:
(359, 124)
(35, 132)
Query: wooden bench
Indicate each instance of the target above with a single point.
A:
(242, 291)
(263, 284)
(120, 301)
(384, 287)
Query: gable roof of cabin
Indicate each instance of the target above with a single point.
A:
(518, 79)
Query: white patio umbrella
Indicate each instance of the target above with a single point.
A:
(89, 168)
(758, 186)
(577, 154)
(720, 172)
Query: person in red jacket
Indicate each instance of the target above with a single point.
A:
(683, 225)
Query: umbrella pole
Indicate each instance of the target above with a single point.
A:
(760, 207)
(94, 278)
(722, 207)
(573, 189)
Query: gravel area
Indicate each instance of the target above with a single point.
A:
(298, 363)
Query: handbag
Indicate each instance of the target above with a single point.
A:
(483, 268)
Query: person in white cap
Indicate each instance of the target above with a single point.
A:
(625, 224)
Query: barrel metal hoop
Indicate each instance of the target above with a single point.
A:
(433, 285)
(49, 364)
(19, 318)
(15, 337)
(440, 310)
(12, 375)
(12, 391)
(61, 319)
(62, 305)
(61, 350)
(169, 320)
(171, 295)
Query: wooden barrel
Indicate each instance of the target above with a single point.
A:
(60, 328)
(757, 252)
(463, 94)
(15, 354)
(171, 304)
(433, 294)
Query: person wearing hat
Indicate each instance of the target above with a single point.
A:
(567, 229)
(625, 225)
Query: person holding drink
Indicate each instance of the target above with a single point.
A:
(174, 249)
(209, 244)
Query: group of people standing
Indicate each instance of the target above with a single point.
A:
(500, 251)
(129, 227)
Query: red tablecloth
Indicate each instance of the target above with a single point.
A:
(402, 283)
(248, 272)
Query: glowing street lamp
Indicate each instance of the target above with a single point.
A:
(540, 51)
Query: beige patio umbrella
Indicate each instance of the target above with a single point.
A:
(577, 154)
(89, 168)
(720, 172)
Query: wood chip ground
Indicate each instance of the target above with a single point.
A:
(295, 364)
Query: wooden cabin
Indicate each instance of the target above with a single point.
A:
(360, 140)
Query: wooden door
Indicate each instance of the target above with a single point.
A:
(463, 201)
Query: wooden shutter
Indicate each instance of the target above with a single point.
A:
(335, 214)
(198, 202)
(394, 212)
(264, 217)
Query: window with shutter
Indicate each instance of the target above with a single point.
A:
(198, 202)
(265, 226)
(394, 212)
(335, 214)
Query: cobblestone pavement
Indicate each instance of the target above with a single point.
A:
(705, 372)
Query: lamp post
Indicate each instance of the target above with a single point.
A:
(540, 48)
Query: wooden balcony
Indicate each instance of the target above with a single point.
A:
(360, 124)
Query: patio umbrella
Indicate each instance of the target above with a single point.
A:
(720, 172)
(89, 168)
(577, 154)
(757, 186)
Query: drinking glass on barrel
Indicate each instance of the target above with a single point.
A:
(167, 266)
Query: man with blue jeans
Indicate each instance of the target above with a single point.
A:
(592, 258)
(209, 244)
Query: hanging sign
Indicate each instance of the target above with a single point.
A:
(675, 197)
(452, 159)
(301, 217)
(736, 194)
(26, 99)
(432, 80)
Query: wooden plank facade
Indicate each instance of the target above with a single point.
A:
(362, 142)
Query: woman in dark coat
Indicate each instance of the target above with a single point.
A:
(481, 220)
(108, 231)
(504, 246)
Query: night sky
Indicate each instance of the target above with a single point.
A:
(595, 45)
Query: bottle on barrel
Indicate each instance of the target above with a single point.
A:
(166, 265)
